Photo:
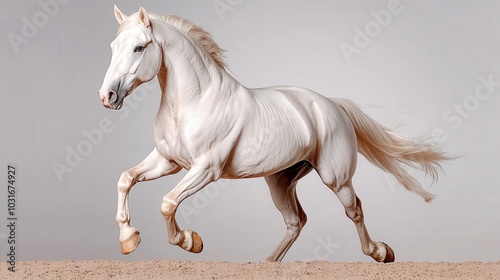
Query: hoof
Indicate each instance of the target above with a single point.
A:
(197, 243)
(129, 245)
(389, 257)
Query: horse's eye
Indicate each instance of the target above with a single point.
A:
(139, 49)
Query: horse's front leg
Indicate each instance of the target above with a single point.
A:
(152, 167)
(198, 177)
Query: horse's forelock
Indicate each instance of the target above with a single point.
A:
(130, 22)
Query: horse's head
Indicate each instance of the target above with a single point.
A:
(136, 58)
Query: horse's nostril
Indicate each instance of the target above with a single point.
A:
(112, 97)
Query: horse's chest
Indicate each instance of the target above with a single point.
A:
(170, 146)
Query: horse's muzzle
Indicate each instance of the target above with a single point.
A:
(112, 100)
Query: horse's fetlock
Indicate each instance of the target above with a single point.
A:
(121, 218)
(176, 239)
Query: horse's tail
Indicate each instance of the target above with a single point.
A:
(387, 150)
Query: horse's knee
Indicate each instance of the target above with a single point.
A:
(125, 182)
(168, 207)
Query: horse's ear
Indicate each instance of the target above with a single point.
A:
(143, 17)
(120, 17)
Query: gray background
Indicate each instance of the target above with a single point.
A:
(417, 68)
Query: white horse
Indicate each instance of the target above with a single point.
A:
(209, 124)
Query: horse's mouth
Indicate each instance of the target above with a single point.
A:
(119, 106)
(127, 92)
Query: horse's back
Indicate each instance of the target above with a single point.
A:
(321, 115)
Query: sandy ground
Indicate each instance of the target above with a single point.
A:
(159, 269)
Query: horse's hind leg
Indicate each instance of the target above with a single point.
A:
(379, 251)
(336, 165)
(282, 186)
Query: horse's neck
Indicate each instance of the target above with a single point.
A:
(187, 75)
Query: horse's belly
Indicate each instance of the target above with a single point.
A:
(266, 152)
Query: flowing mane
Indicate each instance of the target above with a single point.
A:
(198, 34)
